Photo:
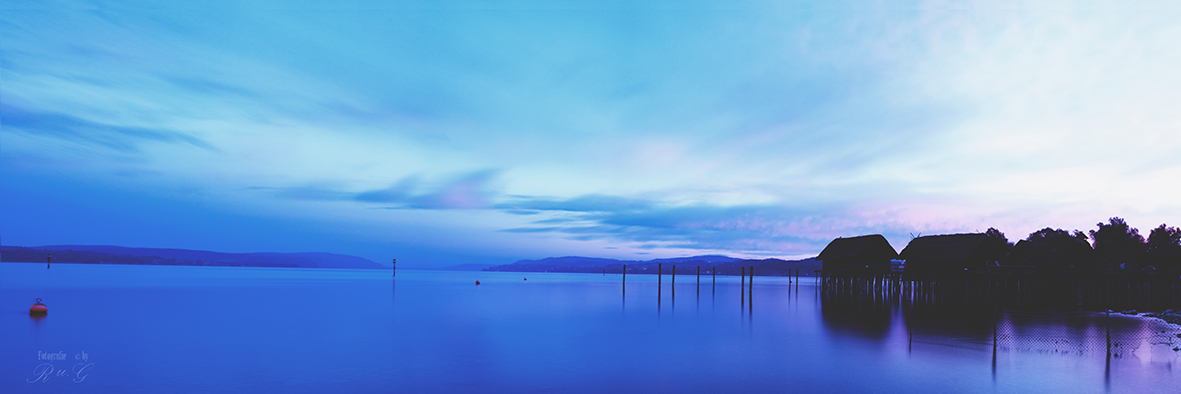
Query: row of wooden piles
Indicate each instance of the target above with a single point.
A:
(1096, 292)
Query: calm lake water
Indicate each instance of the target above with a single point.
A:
(151, 329)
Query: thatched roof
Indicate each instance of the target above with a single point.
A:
(942, 247)
(866, 246)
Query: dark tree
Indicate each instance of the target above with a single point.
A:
(1063, 249)
(1046, 234)
(1163, 237)
(1164, 247)
(1119, 246)
(995, 245)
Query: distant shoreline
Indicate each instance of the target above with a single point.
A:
(119, 255)
(707, 265)
(213, 264)
(208, 265)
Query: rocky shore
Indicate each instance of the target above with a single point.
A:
(1171, 316)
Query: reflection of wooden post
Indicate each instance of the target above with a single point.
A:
(994, 324)
(1108, 336)
(1107, 367)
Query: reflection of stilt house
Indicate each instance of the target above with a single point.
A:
(867, 252)
(945, 253)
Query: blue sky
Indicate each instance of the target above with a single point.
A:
(489, 131)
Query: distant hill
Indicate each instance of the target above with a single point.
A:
(713, 258)
(722, 264)
(106, 254)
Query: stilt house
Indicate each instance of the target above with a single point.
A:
(945, 253)
(867, 252)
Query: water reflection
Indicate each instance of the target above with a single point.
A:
(337, 331)
(856, 315)
(975, 323)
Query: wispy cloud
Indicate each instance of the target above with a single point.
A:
(766, 229)
(473, 190)
(585, 203)
(78, 130)
(209, 86)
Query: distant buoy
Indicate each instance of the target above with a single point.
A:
(477, 283)
(526, 278)
(38, 309)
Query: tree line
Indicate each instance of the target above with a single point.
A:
(1113, 245)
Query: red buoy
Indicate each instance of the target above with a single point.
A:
(38, 309)
(477, 283)
(526, 278)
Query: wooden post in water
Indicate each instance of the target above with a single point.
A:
(394, 267)
(659, 273)
(47, 258)
(750, 303)
(743, 278)
(674, 277)
(699, 276)
(714, 273)
(625, 278)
